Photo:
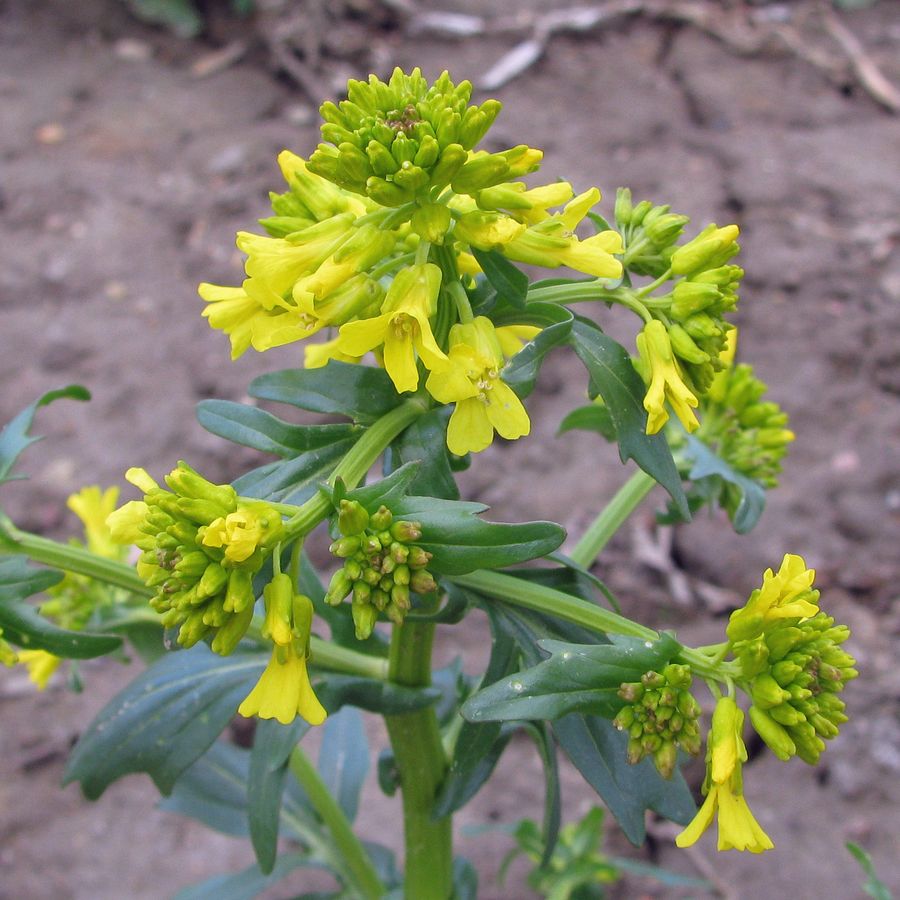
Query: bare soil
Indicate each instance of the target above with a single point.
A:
(125, 177)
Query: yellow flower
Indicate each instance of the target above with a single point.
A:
(787, 595)
(487, 230)
(40, 664)
(552, 242)
(93, 508)
(318, 355)
(666, 381)
(513, 337)
(484, 402)
(403, 327)
(738, 829)
(284, 690)
(232, 311)
(240, 533)
(529, 206)
(280, 262)
(725, 754)
(322, 198)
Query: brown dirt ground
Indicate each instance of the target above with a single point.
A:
(124, 180)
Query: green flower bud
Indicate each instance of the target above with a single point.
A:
(345, 546)
(421, 582)
(338, 588)
(352, 518)
(623, 208)
(684, 346)
(431, 222)
(712, 248)
(665, 229)
(212, 581)
(665, 759)
(232, 631)
(773, 733)
(239, 593)
(381, 519)
(418, 558)
(364, 618)
(767, 693)
(406, 532)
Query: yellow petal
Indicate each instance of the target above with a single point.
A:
(140, 479)
(400, 361)
(358, 338)
(469, 430)
(506, 412)
(738, 829)
(452, 383)
(700, 822)
(125, 523)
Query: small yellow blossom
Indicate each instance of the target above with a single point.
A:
(240, 533)
(666, 380)
(40, 664)
(484, 402)
(738, 829)
(232, 311)
(93, 508)
(403, 327)
(284, 690)
(786, 595)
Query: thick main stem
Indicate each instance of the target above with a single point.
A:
(421, 764)
(360, 874)
(611, 518)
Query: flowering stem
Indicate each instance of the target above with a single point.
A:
(574, 292)
(328, 655)
(354, 466)
(360, 871)
(625, 501)
(421, 763)
(519, 592)
(76, 559)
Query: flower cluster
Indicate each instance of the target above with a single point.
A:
(660, 718)
(724, 787)
(375, 230)
(75, 600)
(791, 656)
(284, 690)
(202, 545)
(382, 564)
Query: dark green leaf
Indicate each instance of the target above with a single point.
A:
(164, 720)
(214, 790)
(598, 751)
(465, 879)
(272, 745)
(362, 393)
(388, 490)
(250, 426)
(706, 464)
(592, 417)
(576, 678)
(425, 442)
(373, 695)
(543, 739)
(555, 322)
(15, 437)
(614, 378)
(245, 885)
(293, 480)
(23, 625)
(344, 758)
(510, 283)
(478, 747)
(460, 543)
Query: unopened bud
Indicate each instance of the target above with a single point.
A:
(422, 582)
(352, 518)
(364, 618)
(381, 519)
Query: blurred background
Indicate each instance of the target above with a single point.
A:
(139, 135)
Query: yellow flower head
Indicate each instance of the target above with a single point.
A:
(93, 508)
(240, 533)
(666, 381)
(284, 691)
(789, 594)
(402, 328)
(40, 664)
(484, 402)
(725, 754)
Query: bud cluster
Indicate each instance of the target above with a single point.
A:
(405, 139)
(798, 670)
(8, 655)
(382, 565)
(660, 718)
(648, 233)
(202, 546)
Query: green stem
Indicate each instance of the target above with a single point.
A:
(576, 292)
(360, 871)
(353, 467)
(650, 288)
(527, 594)
(519, 592)
(76, 559)
(328, 655)
(610, 520)
(421, 763)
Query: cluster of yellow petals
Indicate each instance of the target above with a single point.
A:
(787, 594)
(738, 829)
